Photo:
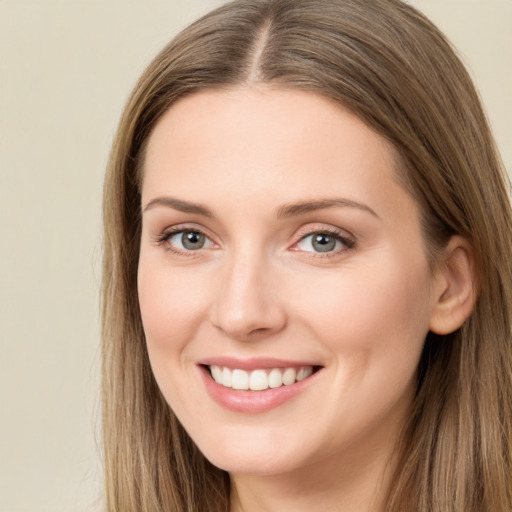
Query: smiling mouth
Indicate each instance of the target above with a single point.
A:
(260, 379)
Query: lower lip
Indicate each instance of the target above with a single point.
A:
(253, 402)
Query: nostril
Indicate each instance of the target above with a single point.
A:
(259, 330)
(249, 329)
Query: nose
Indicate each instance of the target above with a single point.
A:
(247, 305)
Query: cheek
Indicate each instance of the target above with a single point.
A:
(373, 323)
(171, 304)
(373, 315)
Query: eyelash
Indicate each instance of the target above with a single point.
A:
(348, 242)
(164, 238)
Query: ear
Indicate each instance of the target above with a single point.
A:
(455, 287)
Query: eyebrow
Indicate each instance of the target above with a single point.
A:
(178, 204)
(303, 207)
(285, 211)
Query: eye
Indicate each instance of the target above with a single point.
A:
(188, 240)
(324, 242)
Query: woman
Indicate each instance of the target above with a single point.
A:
(307, 275)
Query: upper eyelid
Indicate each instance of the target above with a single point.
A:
(179, 228)
(163, 239)
(166, 234)
(345, 237)
(347, 241)
(324, 228)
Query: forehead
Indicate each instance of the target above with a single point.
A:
(262, 114)
(247, 142)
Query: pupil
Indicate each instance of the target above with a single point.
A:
(192, 240)
(324, 243)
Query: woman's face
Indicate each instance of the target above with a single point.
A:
(280, 253)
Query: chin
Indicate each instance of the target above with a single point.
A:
(257, 465)
(250, 456)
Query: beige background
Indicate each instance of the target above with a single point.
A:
(66, 67)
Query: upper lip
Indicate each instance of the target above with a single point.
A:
(255, 363)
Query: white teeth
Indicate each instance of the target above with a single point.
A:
(258, 380)
(303, 373)
(275, 378)
(289, 376)
(240, 379)
(226, 377)
(216, 374)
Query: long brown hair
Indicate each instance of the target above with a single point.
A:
(389, 65)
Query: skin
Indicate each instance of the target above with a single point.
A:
(258, 289)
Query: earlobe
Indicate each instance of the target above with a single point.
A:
(455, 292)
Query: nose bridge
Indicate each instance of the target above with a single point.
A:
(247, 304)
